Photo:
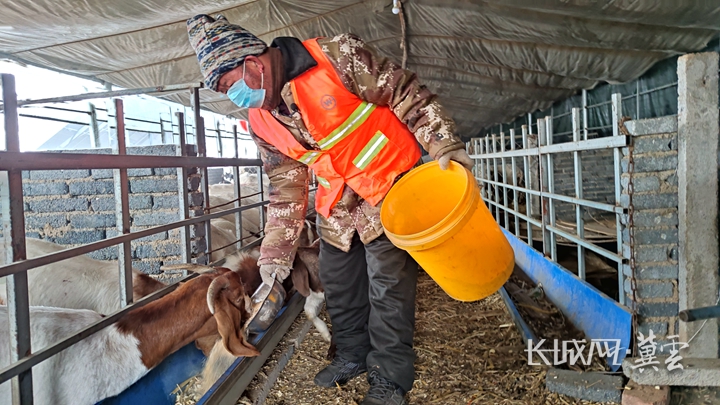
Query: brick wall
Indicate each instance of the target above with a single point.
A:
(72, 207)
(654, 224)
(598, 175)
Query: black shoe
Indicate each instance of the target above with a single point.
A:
(339, 372)
(383, 391)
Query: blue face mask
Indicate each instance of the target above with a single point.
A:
(245, 97)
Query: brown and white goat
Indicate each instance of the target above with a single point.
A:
(304, 278)
(108, 362)
(79, 282)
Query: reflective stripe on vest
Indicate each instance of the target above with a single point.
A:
(362, 145)
(357, 118)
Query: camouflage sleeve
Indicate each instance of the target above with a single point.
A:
(380, 81)
(288, 204)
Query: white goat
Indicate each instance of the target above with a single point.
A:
(79, 282)
(108, 362)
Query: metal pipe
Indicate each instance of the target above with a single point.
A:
(65, 161)
(522, 216)
(238, 191)
(609, 142)
(564, 198)
(698, 314)
(514, 181)
(481, 170)
(542, 141)
(585, 114)
(94, 129)
(589, 245)
(183, 198)
(528, 184)
(551, 186)
(110, 94)
(13, 221)
(496, 191)
(505, 181)
(616, 116)
(487, 167)
(261, 189)
(202, 152)
(122, 209)
(579, 220)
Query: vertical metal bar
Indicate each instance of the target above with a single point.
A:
(13, 222)
(579, 220)
(616, 116)
(238, 191)
(219, 139)
(551, 186)
(544, 217)
(514, 183)
(487, 168)
(528, 184)
(506, 203)
(184, 204)
(585, 114)
(202, 152)
(94, 129)
(261, 190)
(496, 189)
(637, 99)
(530, 123)
(481, 166)
(122, 209)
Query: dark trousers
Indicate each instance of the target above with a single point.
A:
(370, 297)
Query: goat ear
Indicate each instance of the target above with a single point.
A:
(228, 313)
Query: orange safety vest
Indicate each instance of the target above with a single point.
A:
(361, 144)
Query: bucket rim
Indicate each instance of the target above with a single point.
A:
(440, 231)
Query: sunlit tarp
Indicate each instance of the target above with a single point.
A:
(489, 61)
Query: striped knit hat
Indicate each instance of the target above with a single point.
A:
(220, 46)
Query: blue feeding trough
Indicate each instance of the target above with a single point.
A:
(598, 316)
(157, 385)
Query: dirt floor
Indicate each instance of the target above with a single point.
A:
(467, 353)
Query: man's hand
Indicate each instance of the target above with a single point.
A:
(459, 156)
(267, 270)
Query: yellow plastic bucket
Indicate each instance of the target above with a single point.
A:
(438, 217)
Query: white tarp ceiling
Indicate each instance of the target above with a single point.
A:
(489, 61)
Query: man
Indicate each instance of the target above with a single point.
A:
(355, 119)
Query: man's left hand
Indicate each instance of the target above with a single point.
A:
(457, 155)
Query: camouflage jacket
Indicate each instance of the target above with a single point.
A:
(374, 79)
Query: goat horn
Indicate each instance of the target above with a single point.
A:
(211, 291)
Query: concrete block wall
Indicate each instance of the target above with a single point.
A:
(653, 236)
(72, 207)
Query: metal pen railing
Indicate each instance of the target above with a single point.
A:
(13, 162)
(492, 150)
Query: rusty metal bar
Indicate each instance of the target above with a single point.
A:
(114, 93)
(14, 228)
(65, 161)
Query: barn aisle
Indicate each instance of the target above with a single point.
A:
(468, 353)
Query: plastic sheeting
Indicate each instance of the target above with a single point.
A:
(489, 61)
